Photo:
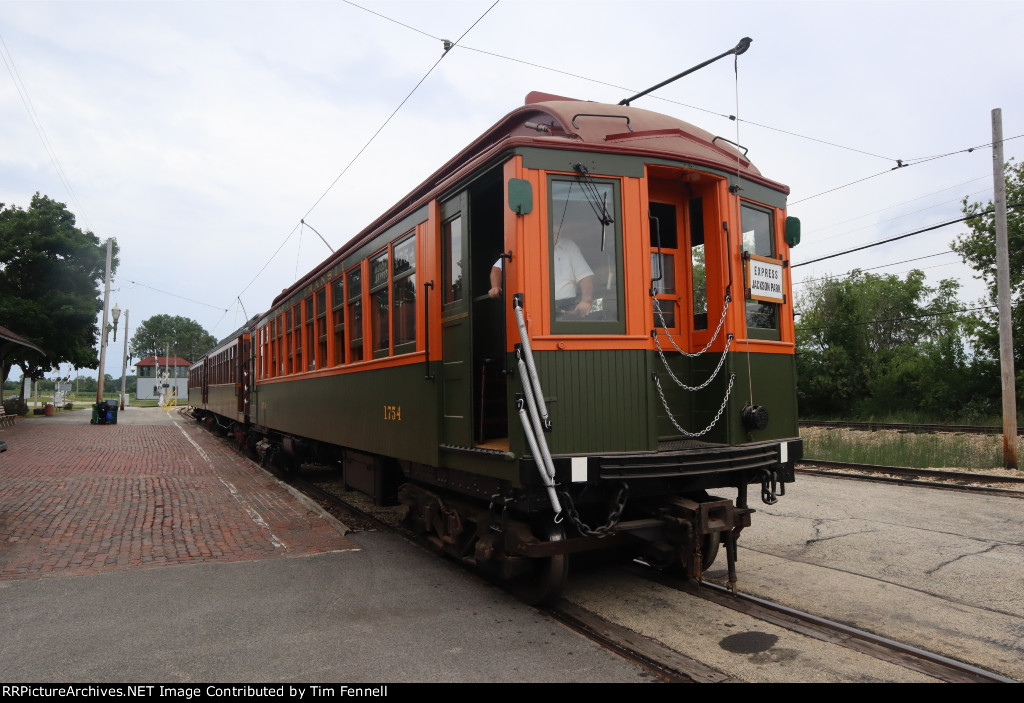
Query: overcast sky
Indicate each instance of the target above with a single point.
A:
(198, 134)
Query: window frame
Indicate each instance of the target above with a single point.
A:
(397, 279)
(578, 327)
(757, 307)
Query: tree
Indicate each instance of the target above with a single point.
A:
(50, 271)
(185, 337)
(978, 250)
(878, 345)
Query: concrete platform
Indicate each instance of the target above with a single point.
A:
(149, 551)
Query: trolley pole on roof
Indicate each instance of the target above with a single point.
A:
(1003, 296)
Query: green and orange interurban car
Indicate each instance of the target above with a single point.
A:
(559, 342)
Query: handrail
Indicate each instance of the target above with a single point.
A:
(426, 328)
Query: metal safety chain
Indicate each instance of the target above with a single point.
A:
(613, 518)
(692, 355)
(664, 403)
(721, 361)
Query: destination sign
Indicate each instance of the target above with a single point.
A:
(764, 279)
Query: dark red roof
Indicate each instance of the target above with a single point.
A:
(569, 124)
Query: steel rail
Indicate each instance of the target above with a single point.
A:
(662, 662)
(930, 663)
(907, 427)
(927, 478)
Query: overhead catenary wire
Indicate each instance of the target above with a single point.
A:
(900, 236)
(597, 81)
(871, 268)
(37, 123)
(902, 163)
(448, 46)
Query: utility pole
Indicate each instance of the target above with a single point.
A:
(124, 358)
(1003, 296)
(103, 330)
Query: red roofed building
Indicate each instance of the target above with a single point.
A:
(151, 370)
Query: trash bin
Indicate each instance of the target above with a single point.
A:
(48, 409)
(104, 413)
(111, 409)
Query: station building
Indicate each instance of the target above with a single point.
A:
(154, 371)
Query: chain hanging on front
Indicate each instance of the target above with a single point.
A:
(619, 505)
(721, 361)
(664, 403)
(692, 355)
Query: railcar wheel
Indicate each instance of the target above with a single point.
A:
(546, 579)
(709, 550)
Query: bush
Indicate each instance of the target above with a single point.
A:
(15, 406)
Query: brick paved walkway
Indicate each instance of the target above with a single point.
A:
(77, 498)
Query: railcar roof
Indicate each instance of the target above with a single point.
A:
(571, 124)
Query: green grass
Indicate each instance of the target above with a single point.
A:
(893, 448)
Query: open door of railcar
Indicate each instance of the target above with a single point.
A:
(473, 341)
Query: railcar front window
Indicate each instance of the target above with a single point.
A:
(664, 243)
(758, 239)
(698, 266)
(585, 257)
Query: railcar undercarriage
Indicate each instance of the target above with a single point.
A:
(510, 532)
(530, 552)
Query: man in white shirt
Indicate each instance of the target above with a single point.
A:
(571, 271)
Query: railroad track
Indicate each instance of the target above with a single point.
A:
(663, 662)
(933, 478)
(669, 665)
(929, 663)
(906, 427)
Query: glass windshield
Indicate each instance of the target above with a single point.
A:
(585, 257)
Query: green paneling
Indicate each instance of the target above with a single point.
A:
(565, 159)
(633, 166)
(596, 399)
(388, 411)
(774, 388)
(221, 399)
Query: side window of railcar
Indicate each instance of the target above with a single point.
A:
(403, 297)
(451, 240)
(355, 315)
(321, 328)
(759, 239)
(338, 312)
(310, 335)
(379, 307)
(278, 346)
(585, 256)
(288, 348)
(297, 337)
(664, 245)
